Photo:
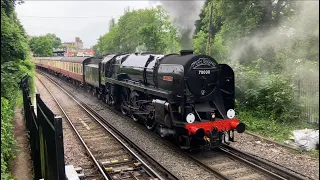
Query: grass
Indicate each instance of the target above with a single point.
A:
(276, 131)
(19, 101)
(272, 129)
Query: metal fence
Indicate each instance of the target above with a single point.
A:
(308, 95)
(45, 137)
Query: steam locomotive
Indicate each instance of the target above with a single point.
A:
(186, 96)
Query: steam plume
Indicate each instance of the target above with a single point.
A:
(184, 14)
(306, 24)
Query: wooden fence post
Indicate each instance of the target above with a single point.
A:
(59, 147)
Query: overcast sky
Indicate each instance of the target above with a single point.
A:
(70, 19)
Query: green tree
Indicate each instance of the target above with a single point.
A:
(112, 23)
(15, 64)
(269, 44)
(41, 46)
(149, 27)
(55, 40)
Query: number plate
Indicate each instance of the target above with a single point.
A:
(204, 72)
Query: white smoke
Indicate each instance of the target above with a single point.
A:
(303, 24)
(183, 14)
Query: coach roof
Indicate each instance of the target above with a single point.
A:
(74, 59)
(49, 58)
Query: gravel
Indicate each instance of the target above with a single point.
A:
(186, 169)
(74, 152)
(178, 164)
(289, 158)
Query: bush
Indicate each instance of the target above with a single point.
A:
(7, 139)
(14, 65)
(266, 95)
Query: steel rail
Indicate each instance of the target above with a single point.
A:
(288, 146)
(212, 170)
(268, 168)
(76, 131)
(279, 169)
(115, 133)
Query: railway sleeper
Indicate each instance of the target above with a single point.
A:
(222, 165)
(250, 177)
(233, 171)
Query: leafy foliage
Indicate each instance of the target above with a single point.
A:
(41, 46)
(265, 42)
(145, 27)
(7, 140)
(56, 41)
(272, 95)
(14, 65)
(270, 45)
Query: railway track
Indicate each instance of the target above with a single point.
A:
(113, 156)
(229, 163)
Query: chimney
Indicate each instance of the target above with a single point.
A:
(186, 52)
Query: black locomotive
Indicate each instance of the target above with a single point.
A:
(186, 96)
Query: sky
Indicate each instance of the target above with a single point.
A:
(69, 19)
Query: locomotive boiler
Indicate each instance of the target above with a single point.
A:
(186, 96)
